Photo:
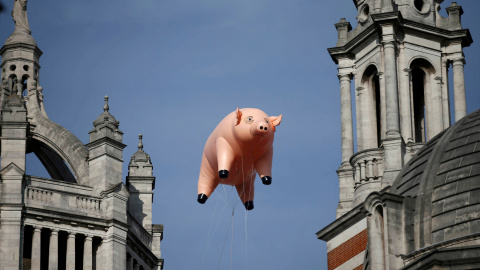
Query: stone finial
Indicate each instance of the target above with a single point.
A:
(454, 16)
(343, 27)
(140, 144)
(105, 107)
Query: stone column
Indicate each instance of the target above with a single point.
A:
(404, 95)
(445, 95)
(393, 126)
(346, 117)
(36, 245)
(130, 264)
(87, 253)
(71, 250)
(370, 170)
(363, 176)
(53, 252)
(437, 107)
(459, 89)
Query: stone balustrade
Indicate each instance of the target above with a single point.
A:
(88, 203)
(38, 195)
(367, 165)
(44, 193)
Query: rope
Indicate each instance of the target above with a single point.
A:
(225, 241)
(228, 201)
(210, 238)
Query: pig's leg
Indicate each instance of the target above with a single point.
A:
(206, 181)
(246, 191)
(225, 157)
(264, 167)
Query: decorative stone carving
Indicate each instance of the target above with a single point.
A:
(19, 16)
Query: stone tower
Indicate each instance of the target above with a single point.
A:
(399, 56)
(408, 194)
(83, 216)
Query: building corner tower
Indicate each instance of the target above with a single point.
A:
(394, 67)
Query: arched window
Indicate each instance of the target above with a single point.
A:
(418, 95)
(426, 101)
(376, 238)
(371, 109)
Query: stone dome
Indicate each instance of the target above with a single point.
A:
(106, 117)
(18, 37)
(140, 155)
(444, 179)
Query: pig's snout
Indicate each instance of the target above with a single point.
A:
(261, 128)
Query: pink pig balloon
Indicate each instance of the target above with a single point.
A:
(239, 147)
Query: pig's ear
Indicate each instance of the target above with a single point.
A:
(276, 120)
(239, 117)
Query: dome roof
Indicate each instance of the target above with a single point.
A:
(106, 117)
(20, 37)
(444, 177)
(140, 155)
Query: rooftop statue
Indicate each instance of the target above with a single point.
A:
(19, 16)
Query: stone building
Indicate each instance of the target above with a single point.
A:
(410, 194)
(83, 216)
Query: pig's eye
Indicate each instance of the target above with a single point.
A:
(249, 119)
(266, 120)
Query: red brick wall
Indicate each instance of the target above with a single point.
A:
(360, 267)
(347, 250)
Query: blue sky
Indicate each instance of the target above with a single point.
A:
(173, 70)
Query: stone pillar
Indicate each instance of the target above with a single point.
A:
(369, 124)
(393, 143)
(437, 107)
(363, 176)
(383, 105)
(393, 126)
(347, 187)
(71, 250)
(445, 95)
(12, 170)
(358, 114)
(370, 170)
(36, 245)
(53, 252)
(346, 117)
(87, 253)
(130, 263)
(459, 89)
(376, 246)
(404, 95)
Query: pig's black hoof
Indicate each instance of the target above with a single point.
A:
(267, 180)
(223, 174)
(249, 205)
(202, 198)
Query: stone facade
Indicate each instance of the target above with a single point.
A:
(84, 216)
(410, 185)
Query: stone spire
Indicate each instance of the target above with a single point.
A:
(140, 183)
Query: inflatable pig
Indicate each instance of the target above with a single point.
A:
(239, 147)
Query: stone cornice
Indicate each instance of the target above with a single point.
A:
(106, 140)
(21, 45)
(340, 224)
(397, 19)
